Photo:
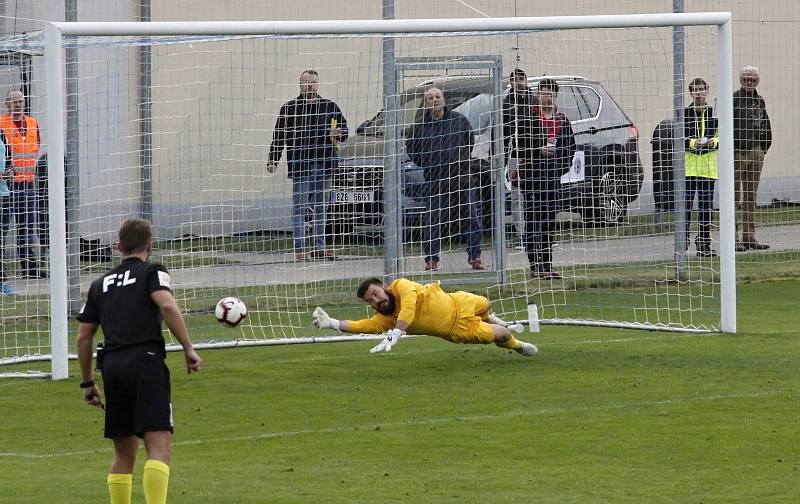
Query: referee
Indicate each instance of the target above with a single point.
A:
(129, 302)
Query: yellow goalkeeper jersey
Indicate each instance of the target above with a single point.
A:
(427, 309)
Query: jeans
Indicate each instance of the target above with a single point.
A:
(474, 232)
(704, 189)
(23, 198)
(310, 194)
(444, 198)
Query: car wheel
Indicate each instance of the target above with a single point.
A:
(607, 203)
(612, 198)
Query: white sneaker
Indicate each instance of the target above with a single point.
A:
(527, 349)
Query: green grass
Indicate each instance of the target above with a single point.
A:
(645, 292)
(600, 415)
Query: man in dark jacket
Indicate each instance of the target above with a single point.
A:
(548, 149)
(441, 144)
(310, 128)
(752, 137)
(517, 114)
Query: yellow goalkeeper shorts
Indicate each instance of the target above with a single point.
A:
(470, 326)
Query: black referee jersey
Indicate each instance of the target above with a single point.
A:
(120, 303)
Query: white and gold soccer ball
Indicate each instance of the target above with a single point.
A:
(230, 311)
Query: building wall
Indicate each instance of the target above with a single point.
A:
(215, 103)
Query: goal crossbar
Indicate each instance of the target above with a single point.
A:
(395, 26)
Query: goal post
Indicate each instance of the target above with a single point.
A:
(56, 135)
(278, 305)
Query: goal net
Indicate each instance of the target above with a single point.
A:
(284, 163)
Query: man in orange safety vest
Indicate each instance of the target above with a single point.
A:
(21, 132)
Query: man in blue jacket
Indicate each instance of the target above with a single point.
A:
(441, 144)
(310, 128)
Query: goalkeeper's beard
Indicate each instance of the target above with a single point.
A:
(388, 308)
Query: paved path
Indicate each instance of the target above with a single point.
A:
(277, 269)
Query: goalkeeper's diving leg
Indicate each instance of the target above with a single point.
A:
(501, 330)
(483, 309)
(504, 339)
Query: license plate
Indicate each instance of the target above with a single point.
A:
(354, 197)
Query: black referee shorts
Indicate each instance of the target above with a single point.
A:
(137, 392)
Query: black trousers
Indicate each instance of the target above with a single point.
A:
(541, 206)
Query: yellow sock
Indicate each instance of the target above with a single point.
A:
(119, 488)
(155, 481)
(512, 343)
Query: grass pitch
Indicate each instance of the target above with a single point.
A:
(599, 416)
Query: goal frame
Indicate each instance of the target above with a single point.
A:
(55, 133)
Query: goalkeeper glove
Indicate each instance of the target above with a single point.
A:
(324, 321)
(392, 338)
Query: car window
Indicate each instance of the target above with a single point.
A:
(412, 108)
(408, 112)
(478, 111)
(454, 99)
(567, 103)
(581, 111)
(589, 102)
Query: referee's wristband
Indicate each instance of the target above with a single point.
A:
(87, 384)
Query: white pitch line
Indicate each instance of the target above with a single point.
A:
(407, 423)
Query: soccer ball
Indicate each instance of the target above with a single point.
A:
(230, 311)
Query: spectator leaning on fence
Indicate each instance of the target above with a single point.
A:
(310, 128)
(752, 137)
(22, 134)
(517, 113)
(441, 144)
(702, 143)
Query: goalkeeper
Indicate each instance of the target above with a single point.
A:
(409, 307)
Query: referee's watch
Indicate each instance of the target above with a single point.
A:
(87, 384)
